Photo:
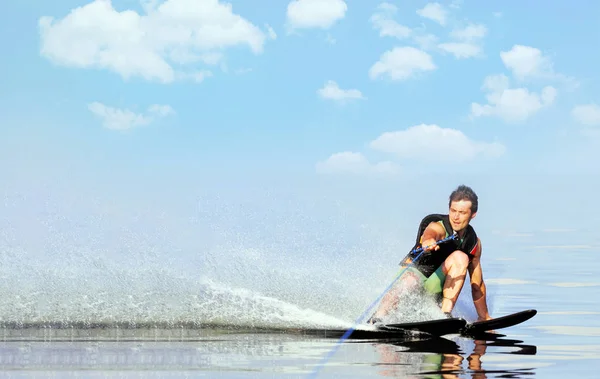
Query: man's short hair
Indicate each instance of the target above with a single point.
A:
(463, 192)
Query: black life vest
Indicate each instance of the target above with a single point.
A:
(429, 261)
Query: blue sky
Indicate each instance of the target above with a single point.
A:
(125, 98)
(247, 97)
(310, 128)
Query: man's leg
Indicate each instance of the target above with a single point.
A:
(434, 285)
(455, 269)
(410, 279)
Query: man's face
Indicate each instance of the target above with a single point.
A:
(460, 214)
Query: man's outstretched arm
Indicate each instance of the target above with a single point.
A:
(478, 286)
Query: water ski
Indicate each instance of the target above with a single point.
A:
(378, 333)
(445, 326)
(434, 328)
(498, 323)
(437, 327)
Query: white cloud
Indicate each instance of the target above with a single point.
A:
(425, 143)
(123, 119)
(435, 144)
(196, 76)
(511, 104)
(461, 50)
(332, 91)
(434, 12)
(528, 62)
(402, 63)
(496, 83)
(464, 43)
(161, 110)
(354, 163)
(271, 32)
(456, 4)
(470, 32)
(426, 41)
(146, 45)
(548, 95)
(212, 58)
(467, 41)
(383, 21)
(315, 13)
(587, 114)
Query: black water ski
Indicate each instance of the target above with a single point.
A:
(513, 319)
(434, 328)
(438, 327)
(433, 344)
(358, 334)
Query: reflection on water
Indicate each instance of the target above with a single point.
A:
(443, 358)
(155, 352)
(290, 353)
(78, 356)
(49, 332)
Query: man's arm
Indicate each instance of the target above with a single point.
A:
(434, 232)
(478, 285)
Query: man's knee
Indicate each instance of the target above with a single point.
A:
(457, 260)
(411, 279)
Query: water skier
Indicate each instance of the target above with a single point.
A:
(441, 269)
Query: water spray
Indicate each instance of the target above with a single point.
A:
(418, 251)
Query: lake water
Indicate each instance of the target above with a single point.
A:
(238, 309)
(562, 340)
(552, 345)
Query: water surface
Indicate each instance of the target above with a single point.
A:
(100, 292)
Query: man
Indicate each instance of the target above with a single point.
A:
(441, 269)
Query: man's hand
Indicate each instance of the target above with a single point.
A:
(430, 244)
(431, 235)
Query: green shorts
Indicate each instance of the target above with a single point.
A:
(434, 284)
